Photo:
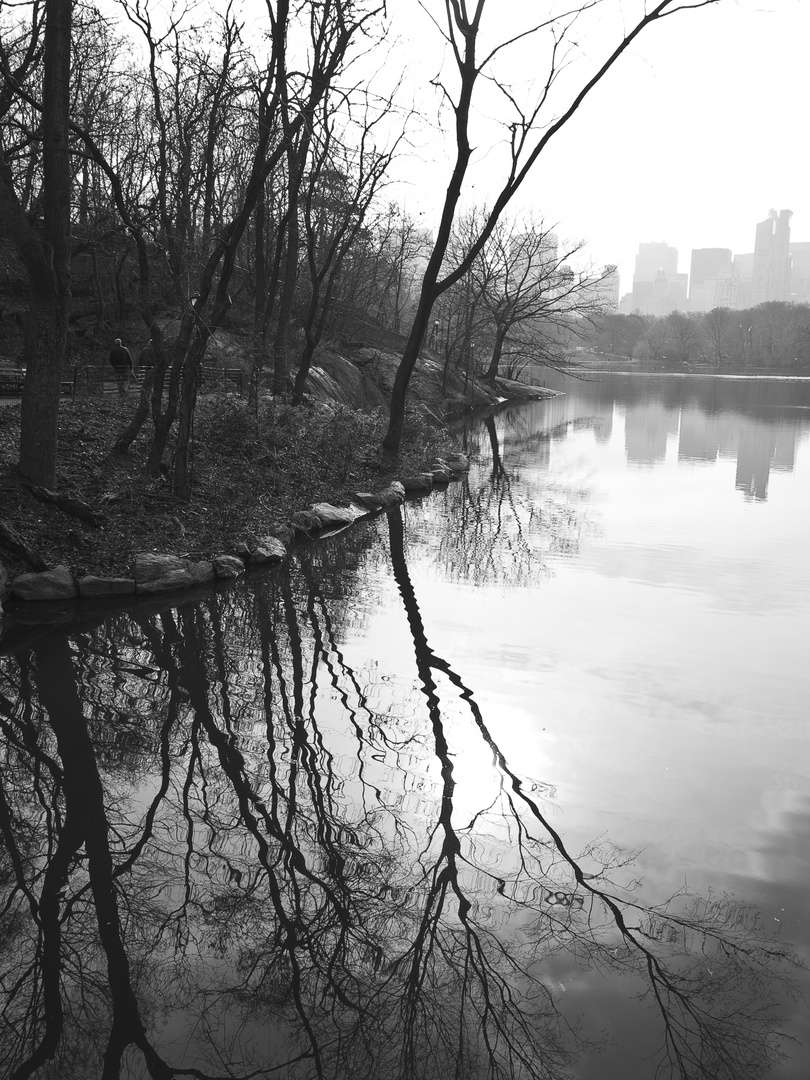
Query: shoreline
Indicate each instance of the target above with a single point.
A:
(114, 534)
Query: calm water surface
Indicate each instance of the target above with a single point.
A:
(455, 791)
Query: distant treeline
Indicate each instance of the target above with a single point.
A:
(775, 335)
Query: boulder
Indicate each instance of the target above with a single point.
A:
(168, 573)
(330, 516)
(101, 586)
(305, 521)
(393, 495)
(418, 482)
(228, 566)
(369, 500)
(360, 509)
(440, 473)
(268, 550)
(456, 463)
(242, 550)
(284, 532)
(56, 584)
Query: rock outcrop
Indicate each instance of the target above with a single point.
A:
(56, 584)
(269, 549)
(169, 573)
(228, 567)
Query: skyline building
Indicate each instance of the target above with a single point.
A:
(771, 276)
(654, 257)
(605, 291)
(708, 266)
(658, 288)
(800, 272)
(778, 269)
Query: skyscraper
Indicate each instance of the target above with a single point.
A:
(658, 288)
(654, 257)
(708, 266)
(800, 273)
(771, 277)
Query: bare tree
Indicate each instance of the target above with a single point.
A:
(683, 334)
(462, 32)
(533, 293)
(716, 325)
(340, 191)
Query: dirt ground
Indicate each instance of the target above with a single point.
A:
(249, 473)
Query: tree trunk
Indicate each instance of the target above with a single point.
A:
(257, 362)
(185, 429)
(410, 354)
(497, 352)
(48, 263)
(286, 307)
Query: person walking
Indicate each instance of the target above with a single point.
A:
(146, 358)
(121, 363)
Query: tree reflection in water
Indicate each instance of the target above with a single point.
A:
(226, 853)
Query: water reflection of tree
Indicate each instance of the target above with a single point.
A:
(259, 864)
(508, 517)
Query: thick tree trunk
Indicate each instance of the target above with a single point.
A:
(285, 308)
(497, 352)
(45, 340)
(399, 391)
(304, 364)
(46, 259)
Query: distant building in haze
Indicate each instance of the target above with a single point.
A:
(771, 272)
(654, 257)
(605, 291)
(744, 270)
(778, 269)
(658, 288)
(800, 273)
(708, 267)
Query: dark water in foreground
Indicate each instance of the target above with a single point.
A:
(514, 782)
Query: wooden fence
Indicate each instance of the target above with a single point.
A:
(92, 379)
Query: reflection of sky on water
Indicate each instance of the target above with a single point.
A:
(568, 652)
(657, 675)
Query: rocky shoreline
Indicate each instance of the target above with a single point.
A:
(153, 574)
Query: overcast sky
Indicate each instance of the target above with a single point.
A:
(691, 139)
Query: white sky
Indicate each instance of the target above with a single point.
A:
(691, 139)
(699, 130)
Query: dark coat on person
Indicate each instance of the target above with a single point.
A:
(146, 357)
(120, 358)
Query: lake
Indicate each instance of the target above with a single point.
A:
(513, 781)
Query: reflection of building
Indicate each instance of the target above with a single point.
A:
(754, 455)
(698, 436)
(706, 434)
(646, 428)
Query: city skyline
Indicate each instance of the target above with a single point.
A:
(776, 268)
(666, 147)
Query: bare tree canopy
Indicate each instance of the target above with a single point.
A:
(530, 127)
